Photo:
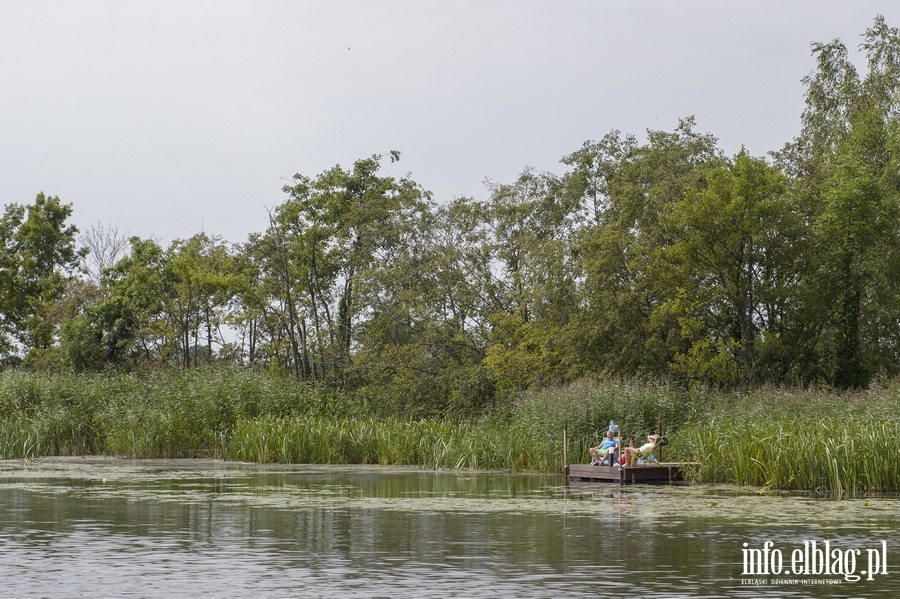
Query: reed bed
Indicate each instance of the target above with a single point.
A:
(818, 442)
(586, 408)
(394, 441)
(772, 438)
(159, 414)
(19, 438)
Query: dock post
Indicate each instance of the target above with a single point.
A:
(659, 432)
(566, 449)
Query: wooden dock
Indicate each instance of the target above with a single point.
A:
(657, 472)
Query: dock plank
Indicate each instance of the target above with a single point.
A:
(663, 472)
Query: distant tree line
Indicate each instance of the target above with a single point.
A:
(664, 258)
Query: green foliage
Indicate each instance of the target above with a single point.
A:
(791, 440)
(739, 243)
(521, 355)
(37, 259)
(19, 439)
(586, 408)
(155, 307)
(845, 159)
(822, 441)
(166, 413)
(629, 278)
(51, 415)
(322, 259)
(204, 279)
(427, 443)
(659, 259)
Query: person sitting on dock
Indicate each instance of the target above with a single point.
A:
(633, 454)
(607, 449)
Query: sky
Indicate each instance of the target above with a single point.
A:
(165, 119)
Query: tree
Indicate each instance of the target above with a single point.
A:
(131, 317)
(104, 246)
(204, 280)
(627, 284)
(844, 160)
(740, 248)
(319, 254)
(421, 348)
(37, 258)
(594, 169)
(531, 222)
(859, 229)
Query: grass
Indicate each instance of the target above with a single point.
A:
(161, 414)
(784, 439)
(427, 443)
(585, 409)
(820, 442)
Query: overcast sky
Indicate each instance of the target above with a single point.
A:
(167, 118)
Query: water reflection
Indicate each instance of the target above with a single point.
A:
(117, 528)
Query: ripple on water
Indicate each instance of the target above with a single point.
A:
(154, 528)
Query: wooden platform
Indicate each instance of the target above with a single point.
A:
(661, 472)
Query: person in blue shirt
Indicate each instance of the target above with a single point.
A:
(605, 449)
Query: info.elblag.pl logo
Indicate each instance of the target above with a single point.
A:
(814, 559)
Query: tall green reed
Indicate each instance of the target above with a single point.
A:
(586, 408)
(167, 413)
(821, 442)
(19, 438)
(426, 443)
(775, 438)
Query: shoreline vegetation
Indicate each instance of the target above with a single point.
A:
(815, 440)
(747, 304)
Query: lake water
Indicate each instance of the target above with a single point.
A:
(84, 527)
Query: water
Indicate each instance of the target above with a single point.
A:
(122, 528)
